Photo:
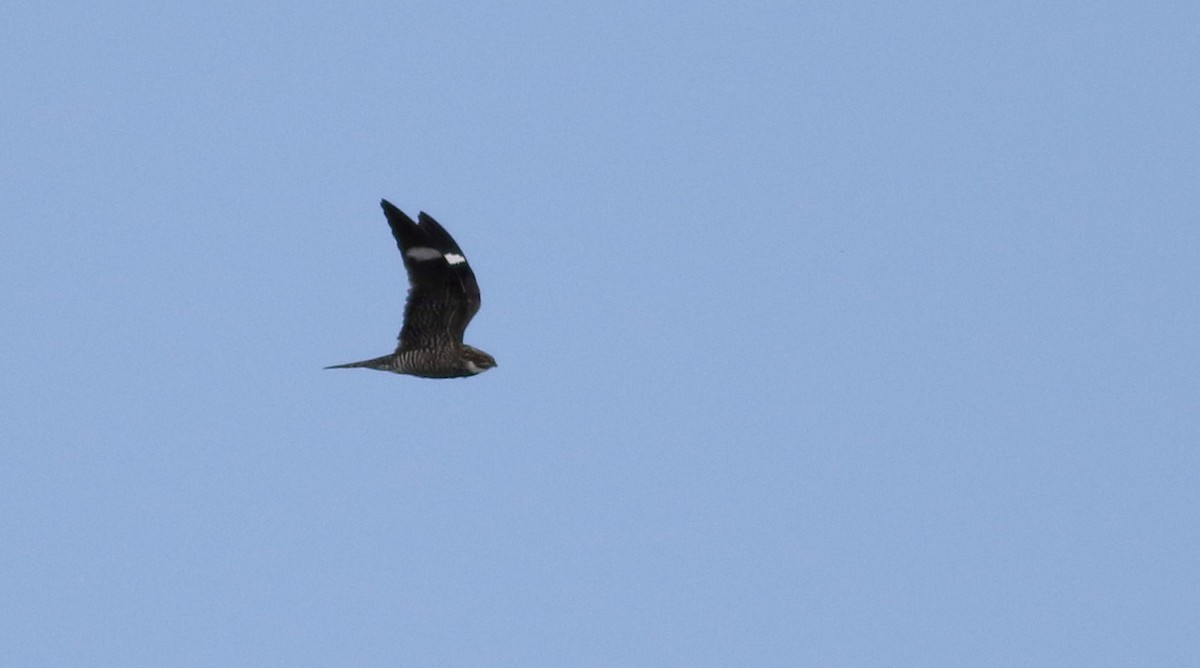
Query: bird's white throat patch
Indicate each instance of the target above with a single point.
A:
(422, 253)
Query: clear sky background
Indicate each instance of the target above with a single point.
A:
(830, 333)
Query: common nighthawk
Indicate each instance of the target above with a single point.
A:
(443, 296)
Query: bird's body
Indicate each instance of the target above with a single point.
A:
(443, 296)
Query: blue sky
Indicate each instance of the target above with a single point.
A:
(829, 334)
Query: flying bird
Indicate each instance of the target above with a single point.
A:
(443, 296)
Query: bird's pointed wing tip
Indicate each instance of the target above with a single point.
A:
(394, 214)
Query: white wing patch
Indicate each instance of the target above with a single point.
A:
(423, 253)
(453, 258)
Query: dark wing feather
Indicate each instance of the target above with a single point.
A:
(440, 303)
(466, 276)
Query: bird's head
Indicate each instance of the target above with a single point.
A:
(476, 361)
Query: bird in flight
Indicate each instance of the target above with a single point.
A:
(443, 296)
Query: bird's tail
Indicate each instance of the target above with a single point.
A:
(384, 363)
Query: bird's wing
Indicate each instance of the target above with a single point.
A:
(462, 270)
(443, 294)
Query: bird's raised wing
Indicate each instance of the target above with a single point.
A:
(443, 294)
